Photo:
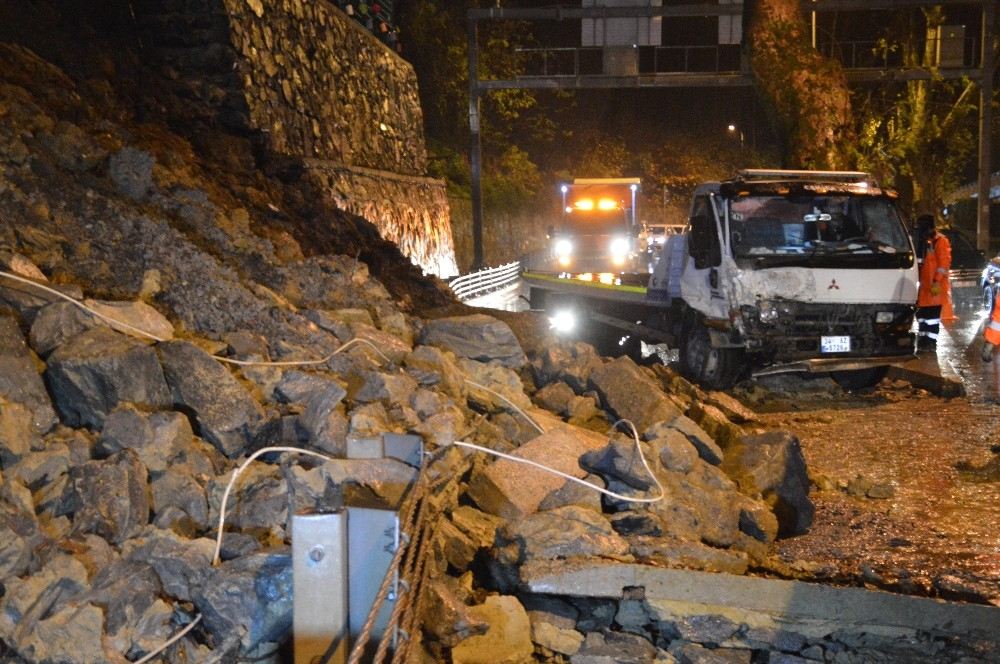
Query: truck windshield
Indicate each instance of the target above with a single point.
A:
(815, 225)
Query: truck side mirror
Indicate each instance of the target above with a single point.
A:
(704, 244)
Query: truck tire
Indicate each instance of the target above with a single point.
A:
(859, 379)
(712, 368)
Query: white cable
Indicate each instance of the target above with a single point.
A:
(173, 639)
(509, 403)
(569, 477)
(227, 360)
(232, 481)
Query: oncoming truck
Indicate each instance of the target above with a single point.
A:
(776, 271)
(598, 231)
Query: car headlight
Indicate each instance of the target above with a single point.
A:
(884, 317)
(563, 248)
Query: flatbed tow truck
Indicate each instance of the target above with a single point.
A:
(777, 271)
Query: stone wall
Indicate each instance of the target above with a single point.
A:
(410, 211)
(313, 84)
(507, 236)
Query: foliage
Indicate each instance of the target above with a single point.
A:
(918, 137)
(512, 182)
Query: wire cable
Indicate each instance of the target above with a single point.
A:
(232, 481)
(228, 360)
(173, 639)
(619, 496)
(509, 403)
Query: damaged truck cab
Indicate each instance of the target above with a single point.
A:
(790, 271)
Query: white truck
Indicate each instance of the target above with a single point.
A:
(780, 271)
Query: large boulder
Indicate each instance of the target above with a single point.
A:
(95, 371)
(111, 497)
(157, 438)
(508, 640)
(628, 392)
(560, 533)
(20, 382)
(771, 465)
(513, 490)
(476, 337)
(249, 598)
(57, 323)
(224, 412)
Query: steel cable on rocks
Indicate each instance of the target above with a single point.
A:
(407, 523)
(227, 360)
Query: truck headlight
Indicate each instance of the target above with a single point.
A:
(619, 250)
(884, 317)
(563, 321)
(563, 248)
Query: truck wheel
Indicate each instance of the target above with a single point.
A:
(859, 379)
(712, 368)
(988, 296)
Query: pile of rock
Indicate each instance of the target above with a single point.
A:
(116, 451)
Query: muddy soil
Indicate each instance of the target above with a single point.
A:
(900, 502)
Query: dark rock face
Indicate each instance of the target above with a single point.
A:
(112, 496)
(56, 324)
(631, 395)
(249, 598)
(478, 337)
(95, 371)
(772, 465)
(19, 380)
(223, 411)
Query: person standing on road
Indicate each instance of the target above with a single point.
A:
(991, 335)
(934, 256)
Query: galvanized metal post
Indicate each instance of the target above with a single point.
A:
(475, 146)
(373, 537)
(987, 66)
(320, 582)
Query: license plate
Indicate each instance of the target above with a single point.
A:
(834, 344)
(965, 283)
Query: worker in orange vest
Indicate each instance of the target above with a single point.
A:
(991, 335)
(934, 256)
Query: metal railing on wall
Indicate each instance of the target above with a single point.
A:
(485, 281)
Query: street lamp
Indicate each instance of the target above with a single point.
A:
(733, 129)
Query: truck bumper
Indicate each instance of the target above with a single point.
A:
(825, 364)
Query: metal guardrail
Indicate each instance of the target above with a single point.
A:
(484, 281)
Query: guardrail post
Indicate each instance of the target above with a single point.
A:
(319, 586)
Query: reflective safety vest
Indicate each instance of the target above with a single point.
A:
(992, 332)
(934, 269)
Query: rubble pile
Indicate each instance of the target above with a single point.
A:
(211, 333)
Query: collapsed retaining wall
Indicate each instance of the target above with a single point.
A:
(314, 85)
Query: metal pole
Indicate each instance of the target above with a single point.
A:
(987, 67)
(475, 147)
(319, 583)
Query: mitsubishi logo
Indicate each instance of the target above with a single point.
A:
(833, 285)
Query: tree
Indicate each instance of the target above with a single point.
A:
(807, 93)
(918, 137)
